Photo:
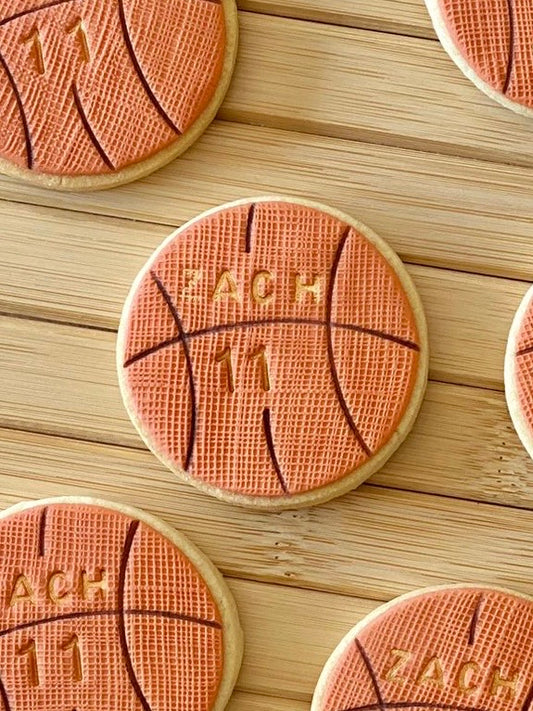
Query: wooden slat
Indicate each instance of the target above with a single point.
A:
(61, 380)
(52, 268)
(374, 543)
(408, 17)
(253, 702)
(370, 86)
(433, 209)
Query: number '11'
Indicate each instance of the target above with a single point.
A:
(29, 651)
(260, 355)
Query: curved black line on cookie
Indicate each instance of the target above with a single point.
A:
(249, 228)
(188, 360)
(510, 59)
(111, 613)
(32, 10)
(270, 322)
(88, 128)
(20, 106)
(371, 672)
(146, 86)
(474, 622)
(331, 355)
(134, 525)
(42, 533)
(396, 705)
(267, 428)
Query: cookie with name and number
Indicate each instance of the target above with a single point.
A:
(519, 371)
(96, 93)
(105, 607)
(455, 648)
(491, 41)
(273, 352)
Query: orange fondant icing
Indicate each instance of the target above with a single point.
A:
(523, 371)
(269, 350)
(92, 86)
(99, 611)
(456, 648)
(496, 39)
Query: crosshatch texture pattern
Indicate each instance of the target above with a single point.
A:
(494, 37)
(90, 87)
(268, 350)
(452, 648)
(519, 372)
(148, 631)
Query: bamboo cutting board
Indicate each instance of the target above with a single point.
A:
(356, 105)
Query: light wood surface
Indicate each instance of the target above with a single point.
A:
(356, 105)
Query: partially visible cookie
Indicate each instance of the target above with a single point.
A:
(454, 648)
(273, 352)
(491, 41)
(95, 94)
(106, 608)
(519, 372)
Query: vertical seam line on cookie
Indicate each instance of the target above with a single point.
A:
(20, 106)
(88, 128)
(371, 673)
(267, 428)
(474, 622)
(510, 59)
(331, 355)
(42, 532)
(30, 11)
(249, 227)
(132, 530)
(146, 86)
(271, 322)
(185, 345)
(4, 696)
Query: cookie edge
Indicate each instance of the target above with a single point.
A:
(333, 659)
(358, 476)
(446, 40)
(136, 171)
(233, 638)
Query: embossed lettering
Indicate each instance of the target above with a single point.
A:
(261, 356)
(97, 585)
(431, 673)
(262, 289)
(29, 650)
(465, 676)
(55, 588)
(400, 657)
(78, 29)
(34, 39)
(225, 358)
(193, 277)
(73, 645)
(22, 591)
(507, 686)
(226, 288)
(303, 288)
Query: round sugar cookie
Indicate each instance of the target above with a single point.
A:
(491, 41)
(456, 648)
(273, 352)
(104, 607)
(96, 93)
(519, 372)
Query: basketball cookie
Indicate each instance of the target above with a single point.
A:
(491, 41)
(273, 352)
(519, 372)
(105, 607)
(96, 93)
(458, 648)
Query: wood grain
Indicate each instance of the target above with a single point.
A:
(61, 380)
(439, 210)
(397, 16)
(51, 270)
(370, 86)
(366, 544)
